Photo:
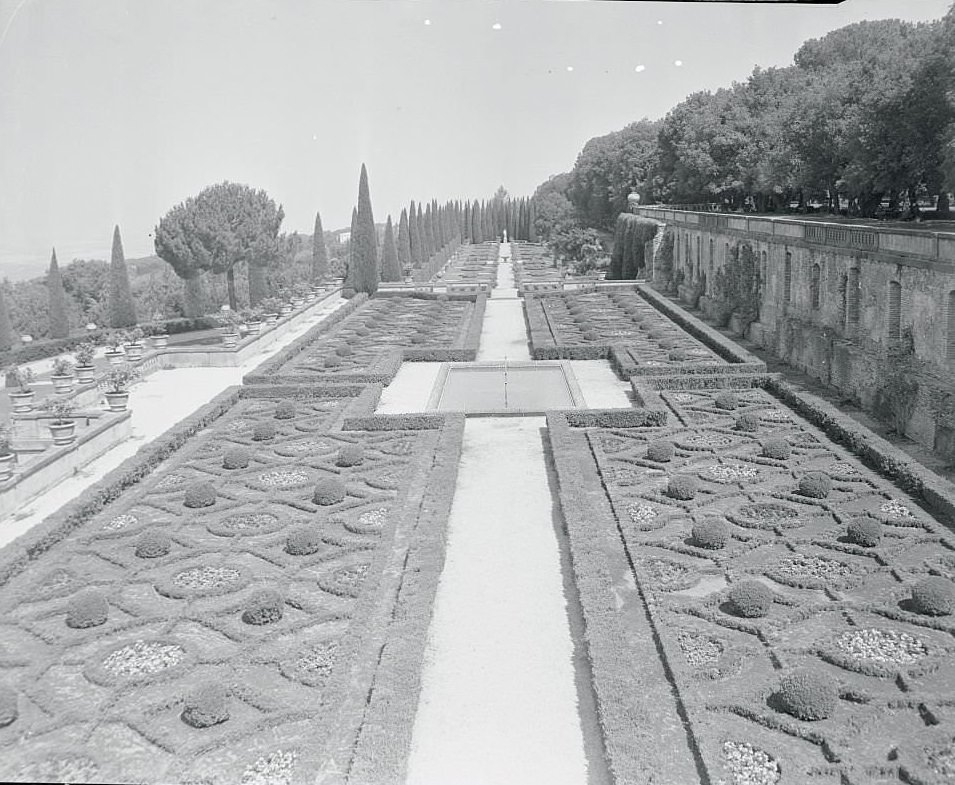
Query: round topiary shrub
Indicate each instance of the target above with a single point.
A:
(263, 607)
(660, 451)
(285, 410)
(329, 490)
(362, 331)
(682, 487)
(748, 423)
(153, 544)
(711, 533)
(350, 455)
(726, 400)
(815, 485)
(8, 707)
(777, 449)
(201, 494)
(751, 599)
(263, 431)
(235, 458)
(590, 335)
(418, 338)
(332, 361)
(303, 541)
(864, 531)
(87, 608)
(207, 706)
(808, 695)
(934, 596)
(344, 350)
(677, 355)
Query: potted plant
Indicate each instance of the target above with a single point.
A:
(22, 399)
(229, 322)
(299, 291)
(271, 307)
(253, 320)
(83, 354)
(62, 426)
(62, 376)
(7, 455)
(160, 339)
(134, 344)
(114, 349)
(117, 386)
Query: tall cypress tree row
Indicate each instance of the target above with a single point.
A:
(351, 273)
(404, 242)
(59, 318)
(428, 234)
(319, 252)
(414, 237)
(422, 237)
(366, 274)
(7, 339)
(122, 309)
(466, 222)
(477, 236)
(390, 266)
(532, 223)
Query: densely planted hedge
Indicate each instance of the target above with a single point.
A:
(615, 418)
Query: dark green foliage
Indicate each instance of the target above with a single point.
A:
(201, 494)
(678, 355)
(263, 431)
(777, 448)
(682, 487)
(934, 596)
(591, 335)
(344, 350)
(285, 410)
(319, 252)
(351, 272)
(122, 309)
(332, 361)
(153, 544)
(748, 423)
(8, 706)
(365, 243)
(328, 491)
(750, 599)
(726, 400)
(59, 318)
(235, 458)
(7, 337)
(303, 541)
(350, 455)
(414, 237)
(207, 706)
(864, 531)
(404, 242)
(390, 265)
(815, 485)
(264, 606)
(737, 284)
(660, 451)
(87, 608)
(711, 533)
(808, 695)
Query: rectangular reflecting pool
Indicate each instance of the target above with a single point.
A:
(492, 388)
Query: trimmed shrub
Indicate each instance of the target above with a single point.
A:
(263, 607)
(748, 423)
(418, 338)
(934, 596)
(207, 706)
(202, 494)
(87, 608)
(303, 541)
(332, 361)
(263, 431)
(750, 599)
(329, 491)
(711, 533)
(660, 451)
(350, 455)
(591, 335)
(678, 355)
(815, 485)
(285, 410)
(808, 695)
(776, 448)
(864, 531)
(682, 487)
(8, 707)
(726, 400)
(153, 544)
(362, 331)
(344, 350)
(235, 458)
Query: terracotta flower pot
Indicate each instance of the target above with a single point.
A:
(230, 340)
(85, 374)
(115, 358)
(62, 385)
(6, 466)
(160, 341)
(286, 309)
(134, 352)
(254, 328)
(270, 319)
(63, 433)
(117, 401)
(298, 302)
(22, 401)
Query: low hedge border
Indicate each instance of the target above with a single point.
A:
(420, 295)
(538, 328)
(395, 422)
(384, 744)
(280, 391)
(721, 369)
(615, 418)
(472, 336)
(567, 352)
(936, 493)
(699, 329)
(636, 706)
(438, 355)
(688, 382)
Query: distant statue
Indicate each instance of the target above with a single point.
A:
(633, 201)
(505, 235)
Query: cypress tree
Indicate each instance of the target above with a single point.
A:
(414, 236)
(319, 252)
(627, 271)
(366, 274)
(122, 309)
(466, 222)
(421, 236)
(390, 266)
(532, 223)
(477, 236)
(59, 318)
(7, 339)
(615, 273)
(350, 272)
(428, 239)
(404, 242)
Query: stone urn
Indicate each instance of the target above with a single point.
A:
(134, 352)
(118, 401)
(115, 357)
(22, 401)
(160, 341)
(85, 374)
(62, 384)
(63, 432)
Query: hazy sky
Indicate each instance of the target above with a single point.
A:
(112, 111)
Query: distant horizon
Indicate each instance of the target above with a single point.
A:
(116, 111)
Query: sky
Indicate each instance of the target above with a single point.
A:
(114, 111)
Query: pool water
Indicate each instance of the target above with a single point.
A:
(499, 388)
